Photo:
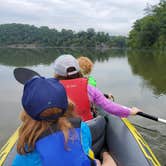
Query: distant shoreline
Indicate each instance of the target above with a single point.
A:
(32, 46)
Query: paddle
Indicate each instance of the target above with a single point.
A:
(22, 75)
(151, 117)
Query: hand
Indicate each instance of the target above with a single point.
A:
(111, 97)
(134, 111)
(98, 162)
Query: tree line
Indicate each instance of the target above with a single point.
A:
(150, 31)
(23, 34)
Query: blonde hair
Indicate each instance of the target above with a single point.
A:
(31, 130)
(85, 64)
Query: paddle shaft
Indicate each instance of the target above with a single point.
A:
(151, 117)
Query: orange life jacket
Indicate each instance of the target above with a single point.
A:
(77, 92)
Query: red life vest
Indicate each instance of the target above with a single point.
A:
(77, 92)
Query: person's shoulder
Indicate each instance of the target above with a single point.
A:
(92, 89)
(28, 159)
(92, 81)
(91, 77)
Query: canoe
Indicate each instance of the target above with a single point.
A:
(124, 142)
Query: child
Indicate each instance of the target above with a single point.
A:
(50, 134)
(86, 66)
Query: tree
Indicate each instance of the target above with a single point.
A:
(23, 34)
(150, 31)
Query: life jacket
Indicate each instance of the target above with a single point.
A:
(51, 147)
(77, 91)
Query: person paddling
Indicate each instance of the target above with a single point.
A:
(67, 69)
(86, 66)
(50, 133)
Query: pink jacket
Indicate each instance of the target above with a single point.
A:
(99, 99)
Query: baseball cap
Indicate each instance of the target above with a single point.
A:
(63, 62)
(42, 93)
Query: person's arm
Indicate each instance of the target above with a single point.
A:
(99, 99)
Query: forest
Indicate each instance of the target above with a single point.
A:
(22, 35)
(150, 31)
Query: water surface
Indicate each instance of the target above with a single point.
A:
(135, 78)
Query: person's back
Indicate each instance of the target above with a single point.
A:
(50, 133)
(51, 146)
(77, 92)
(68, 71)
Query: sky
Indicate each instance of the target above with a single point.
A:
(113, 16)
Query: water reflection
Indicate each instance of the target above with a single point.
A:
(31, 57)
(151, 67)
(116, 71)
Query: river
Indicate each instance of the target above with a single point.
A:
(135, 78)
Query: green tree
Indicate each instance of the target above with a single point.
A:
(23, 35)
(150, 31)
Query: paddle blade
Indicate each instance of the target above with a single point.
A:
(22, 75)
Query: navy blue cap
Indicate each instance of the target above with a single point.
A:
(42, 93)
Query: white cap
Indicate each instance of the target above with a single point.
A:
(63, 62)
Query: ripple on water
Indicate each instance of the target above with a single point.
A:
(156, 140)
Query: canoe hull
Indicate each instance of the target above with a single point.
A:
(124, 142)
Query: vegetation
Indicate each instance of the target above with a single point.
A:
(150, 31)
(21, 35)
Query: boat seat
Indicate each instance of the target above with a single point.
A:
(97, 127)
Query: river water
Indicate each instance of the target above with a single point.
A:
(135, 78)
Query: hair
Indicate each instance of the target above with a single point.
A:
(68, 77)
(85, 64)
(31, 129)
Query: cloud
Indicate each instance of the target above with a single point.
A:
(115, 17)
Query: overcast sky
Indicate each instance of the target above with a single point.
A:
(113, 16)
